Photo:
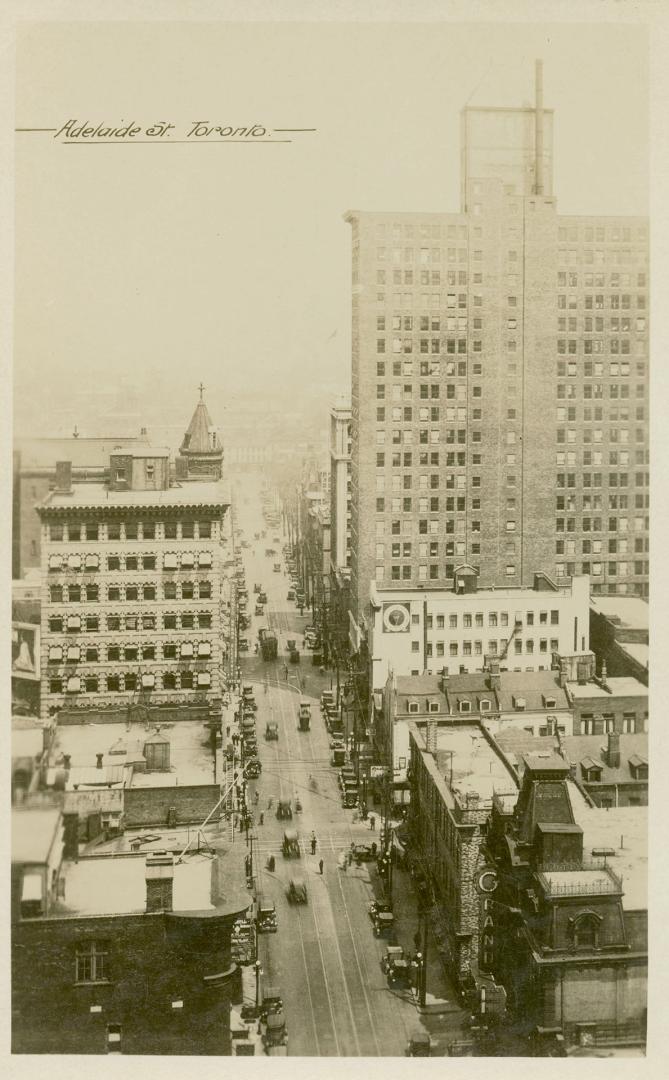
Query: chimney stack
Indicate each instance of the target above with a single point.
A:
(99, 761)
(159, 882)
(67, 759)
(539, 128)
(444, 680)
(63, 478)
(613, 750)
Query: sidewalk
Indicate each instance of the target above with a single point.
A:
(442, 1014)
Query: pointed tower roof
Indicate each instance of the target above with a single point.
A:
(201, 451)
(197, 438)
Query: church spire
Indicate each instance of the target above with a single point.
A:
(202, 449)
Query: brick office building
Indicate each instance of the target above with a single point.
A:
(131, 613)
(499, 380)
(454, 772)
(133, 952)
(567, 899)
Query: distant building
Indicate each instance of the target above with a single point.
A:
(34, 476)
(564, 893)
(414, 631)
(499, 408)
(340, 527)
(133, 952)
(131, 617)
(606, 705)
(619, 635)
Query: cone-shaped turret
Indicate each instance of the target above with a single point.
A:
(201, 452)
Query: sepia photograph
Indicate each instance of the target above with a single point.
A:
(329, 545)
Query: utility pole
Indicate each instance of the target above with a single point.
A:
(423, 981)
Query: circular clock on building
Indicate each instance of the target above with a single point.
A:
(396, 618)
(487, 880)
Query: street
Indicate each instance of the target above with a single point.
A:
(324, 958)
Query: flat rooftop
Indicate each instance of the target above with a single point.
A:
(100, 497)
(624, 829)
(469, 765)
(117, 886)
(625, 611)
(623, 686)
(191, 755)
(33, 833)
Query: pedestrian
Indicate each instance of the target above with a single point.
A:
(262, 818)
(257, 796)
(320, 866)
(270, 801)
(350, 858)
(313, 843)
(372, 822)
(285, 672)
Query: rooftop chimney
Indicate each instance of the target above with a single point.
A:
(63, 477)
(159, 881)
(67, 758)
(539, 128)
(99, 761)
(613, 750)
(444, 679)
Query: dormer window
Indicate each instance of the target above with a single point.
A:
(484, 704)
(585, 930)
(549, 702)
(412, 707)
(519, 704)
(465, 706)
(433, 706)
(638, 767)
(591, 770)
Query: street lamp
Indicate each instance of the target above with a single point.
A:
(259, 972)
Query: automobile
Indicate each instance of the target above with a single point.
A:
(277, 567)
(384, 923)
(257, 587)
(254, 768)
(294, 656)
(346, 774)
(349, 799)
(378, 906)
(297, 891)
(291, 844)
(284, 809)
(338, 756)
(242, 644)
(269, 552)
(272, 1002)
(363, 852)
(262, 597)
(337, 744)
(290, 595)
(259, 609)
(419, 1044)
(271, 730)
(392, 954)
(327, 698)
(266, 920)
(274, 1034)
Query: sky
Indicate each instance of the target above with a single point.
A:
(156, 266)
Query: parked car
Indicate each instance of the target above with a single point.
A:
(291, 594)
(243, 645)
(363, 852)
(254, 768)
(378, 906)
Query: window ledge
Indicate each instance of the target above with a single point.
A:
(95, 982)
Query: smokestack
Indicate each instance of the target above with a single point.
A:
(99, 761)
(63, 477)
(159, 881)
(539, 128)
(613, 751)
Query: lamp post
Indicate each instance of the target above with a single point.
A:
(258, 971)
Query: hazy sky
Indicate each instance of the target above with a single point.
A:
(167, 264)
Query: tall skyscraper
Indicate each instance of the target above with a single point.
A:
(499, 380)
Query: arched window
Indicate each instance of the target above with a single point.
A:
(585, 930)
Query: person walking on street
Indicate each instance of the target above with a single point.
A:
(320, 866)
(313, 843)
(262, 818)
(285, 672)
(350, 858)
(372, 822)
(257, 796)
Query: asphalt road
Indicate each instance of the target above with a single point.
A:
(324, 957)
